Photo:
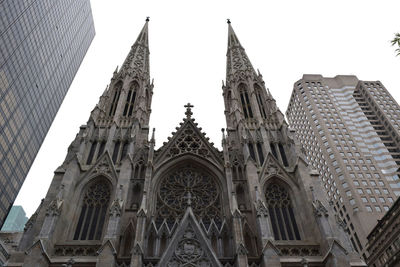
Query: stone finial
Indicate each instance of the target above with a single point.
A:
(147, 18)
(188, 112)
(228, 21)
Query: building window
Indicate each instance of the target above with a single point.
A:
(245, 100)
(260, 101)
(116, 152)
(130, 99)
(273, 150)
(251, 151)
(281, 213)
(93, 211)
(283, 155)
(120, 151)
(91, 153)
(260, 153)
(114, 103)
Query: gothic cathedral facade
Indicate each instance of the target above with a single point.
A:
(118, 201)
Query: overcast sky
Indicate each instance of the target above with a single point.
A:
(188, 41)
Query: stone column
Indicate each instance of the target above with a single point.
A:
(114, 218)
(270, 256)
(241, 252)
(263, 224)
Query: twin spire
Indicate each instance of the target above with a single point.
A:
(237, 60)
(238, 65)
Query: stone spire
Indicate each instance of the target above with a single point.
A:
(137, 61)
(247, 100)
(237, 61)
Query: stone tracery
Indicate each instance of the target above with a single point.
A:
(204, 195)
(189, 141)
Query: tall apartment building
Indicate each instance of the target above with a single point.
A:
(349, 131)
(42, 44)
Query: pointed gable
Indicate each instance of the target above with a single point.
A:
(189, 246)
(273, 167)
(188, 139)
(103, 166)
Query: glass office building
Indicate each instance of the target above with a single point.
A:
(15, 221)
(42, 44)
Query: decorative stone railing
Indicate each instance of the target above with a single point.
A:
(76, 250)
(299, 250)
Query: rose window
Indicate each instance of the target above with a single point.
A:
(188, 186)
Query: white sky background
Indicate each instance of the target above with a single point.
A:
(188, 41)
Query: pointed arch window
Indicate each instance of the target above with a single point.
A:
(251, 151)
(240, 196)
(136, 196)
(273, 150)
(260, 153)
(96, 150)
(120, 151)
(114, 103)
(91, 153)
(93, 211)
(250, 241)
(245, 100)
(127, 241)
(116, 151)
(283, 155)
(101, 149)
(260, 100)
(130, 99)
(281, 213)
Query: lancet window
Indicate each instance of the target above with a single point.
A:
(256, 155)
(184, 185)
(127, 239)
(260, 153)
(250, 241)
(273, 150)
(283, 155)
(241, 197)
(115, 99)
(120, 151)
(130, 99)
(91, 153)
(245, 100)
(260, 101)
(93, 211)
(96, 150)
(237, 172)
(136, 196)
(281, 213)
(101, 148)
(281, 152)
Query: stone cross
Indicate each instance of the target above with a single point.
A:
(188, 112)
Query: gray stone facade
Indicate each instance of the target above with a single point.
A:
(117, 201)
(384, 240)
